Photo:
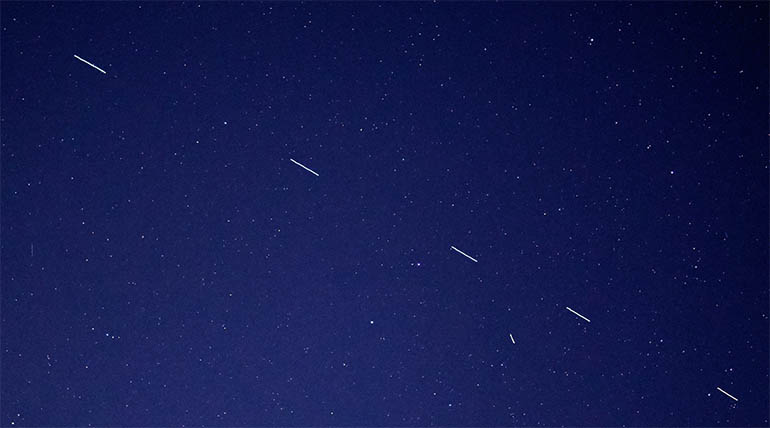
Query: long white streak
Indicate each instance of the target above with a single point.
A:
(303, 166)
(581, 316)
(90, 64)
(514, 342)
(725, 393)
(465, 254)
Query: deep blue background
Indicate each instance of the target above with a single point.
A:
(612, 158)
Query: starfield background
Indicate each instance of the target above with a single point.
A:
(164, 262)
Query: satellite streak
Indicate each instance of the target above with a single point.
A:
(90, 64)
(581, 316)
(725, 393)
(303, 166)
(465, 254)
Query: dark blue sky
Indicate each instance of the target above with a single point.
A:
(165, 263)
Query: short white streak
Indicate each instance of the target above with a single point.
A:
(725, 393)
(90, 64)
(514, 342)
(581, 316)
(303, 166)
(465, 254)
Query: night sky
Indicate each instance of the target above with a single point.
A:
(164, 262)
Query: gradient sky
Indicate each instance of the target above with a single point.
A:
(165, 263)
